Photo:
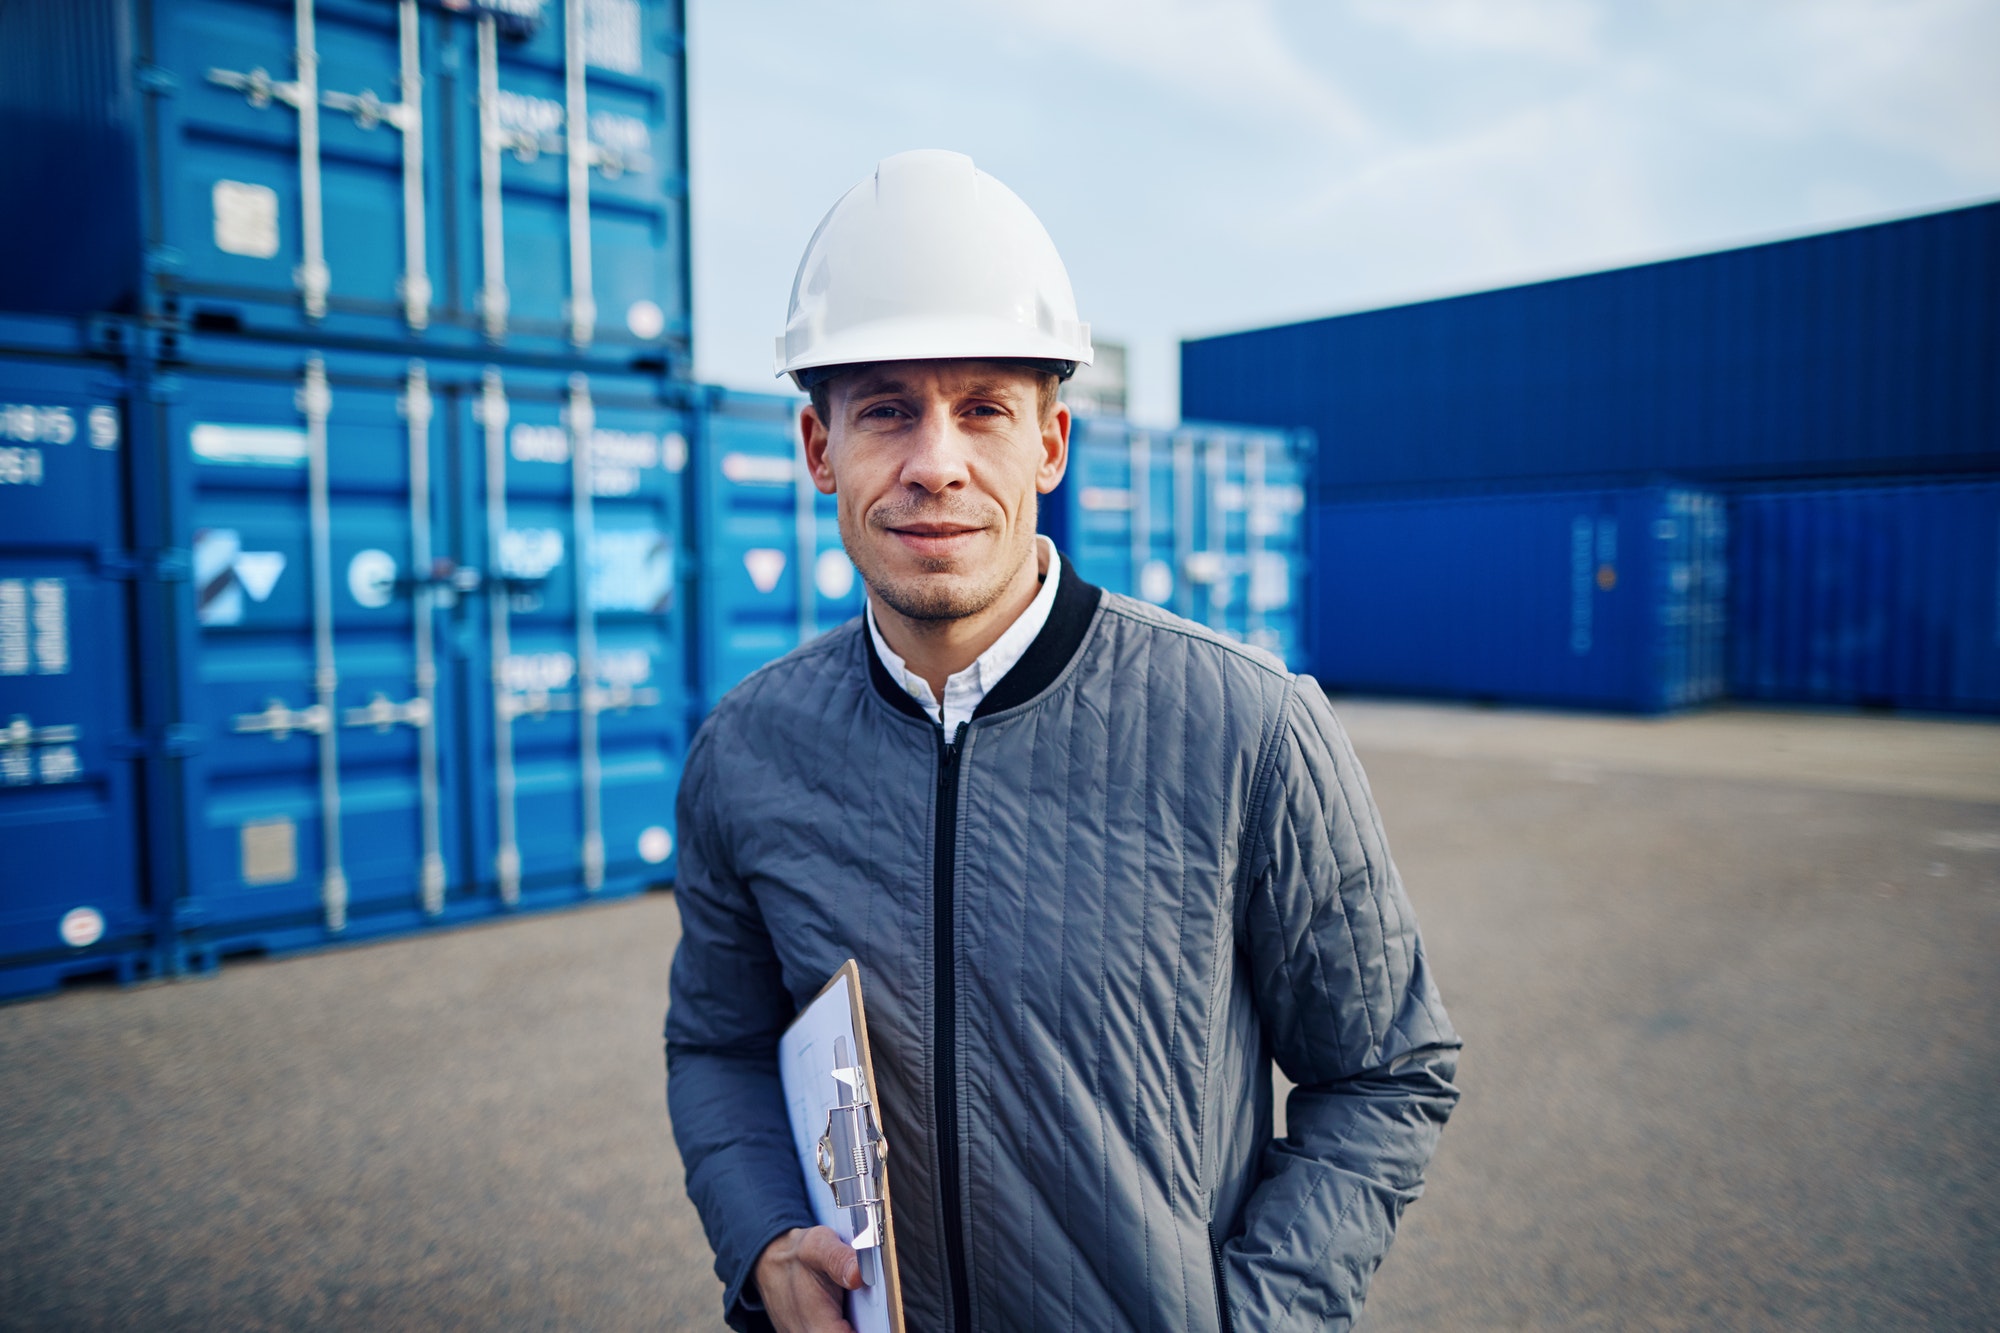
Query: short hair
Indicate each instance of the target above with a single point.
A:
(1047, 385)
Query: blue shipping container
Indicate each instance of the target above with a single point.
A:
(431, 648)
(71, 902)
(1597, 599)
(1883, 596)
(509, 174)
(1207, 521)
(1867, 351)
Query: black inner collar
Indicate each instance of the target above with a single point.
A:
(1069, 620)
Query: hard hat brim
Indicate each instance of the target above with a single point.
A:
(932, 338)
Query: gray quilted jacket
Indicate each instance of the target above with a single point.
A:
(1085, 925)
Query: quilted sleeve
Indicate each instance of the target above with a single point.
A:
(726, 1011)
(1346, 998)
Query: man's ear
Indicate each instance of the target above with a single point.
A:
(813, 434)
(1055, 449)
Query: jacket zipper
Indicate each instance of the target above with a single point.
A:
(1222, 1320)
(945, 1054)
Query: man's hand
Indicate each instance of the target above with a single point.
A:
(800, 1277)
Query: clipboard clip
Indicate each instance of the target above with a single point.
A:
(851, 1153)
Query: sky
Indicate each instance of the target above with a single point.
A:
(1212, 165)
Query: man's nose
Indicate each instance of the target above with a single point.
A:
(936, 460)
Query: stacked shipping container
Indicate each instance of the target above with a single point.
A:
(1774, 376)
(378, 313)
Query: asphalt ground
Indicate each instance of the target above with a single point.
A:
(1732, 1057)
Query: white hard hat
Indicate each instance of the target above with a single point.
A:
(930, 258)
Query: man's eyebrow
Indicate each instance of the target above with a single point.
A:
(873, 388)
(992, 389)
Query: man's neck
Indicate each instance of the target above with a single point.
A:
(937, 650)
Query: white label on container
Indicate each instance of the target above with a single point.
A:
(20, 467)
(60, 764)
(530, 553)
(646, 320)
(833, 575)
(246, 219)
(258, 572)
(270, 850)
(533, 673)
(611, 35)
(1105, 499)
(538, 444)
(28, 424)
(536, 118)
(631, 571)
(655, 845)
(252, 446)
(51, 599)
(102, 425)
(628, 667)
(1270, 582)
(1156, 582)
(15, 658)
(673, 451)
(17, 766)
(81, 927)
(757, 469)
(766, 565)
(371, 578)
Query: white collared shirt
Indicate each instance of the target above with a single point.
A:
(963, 690)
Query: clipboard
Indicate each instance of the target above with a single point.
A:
(832, 1102)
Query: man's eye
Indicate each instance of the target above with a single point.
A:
(985, 410)
(883, 410)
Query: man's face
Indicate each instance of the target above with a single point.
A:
(937, 465)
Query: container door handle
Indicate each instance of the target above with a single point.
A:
(491, 412)
(582, 304)
(278, 721)
(581, 419)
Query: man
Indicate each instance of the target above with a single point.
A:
(1098, 865)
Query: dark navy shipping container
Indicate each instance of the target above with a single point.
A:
(430, 649)
(773, 571)
(1879, 595)
(1868, 351)
(511, 174)
(1207, 521)
(71, 901)
(1600, 599)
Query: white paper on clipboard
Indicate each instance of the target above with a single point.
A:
(805, 1064)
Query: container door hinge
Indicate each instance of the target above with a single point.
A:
(174, 566)
(175, 741)
(165, 259)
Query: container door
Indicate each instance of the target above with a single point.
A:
(316, 803)
(581, 190)
(583, 515)
(70, 900)
(751, 598)
(292, 162)
(1274, 501)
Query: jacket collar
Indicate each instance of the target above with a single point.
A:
(1069, 621)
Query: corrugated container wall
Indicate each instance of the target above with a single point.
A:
(510, 176)
(1884, 596)
(1207, 521)
(1601, 599)
(70, 742)
(1867, 351)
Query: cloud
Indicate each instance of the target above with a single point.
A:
(1562, 30)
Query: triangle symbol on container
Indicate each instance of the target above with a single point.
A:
(258, 572)
(766, 565)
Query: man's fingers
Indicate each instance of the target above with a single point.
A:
(823, 1248)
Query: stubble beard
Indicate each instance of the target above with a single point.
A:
(943, 591)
